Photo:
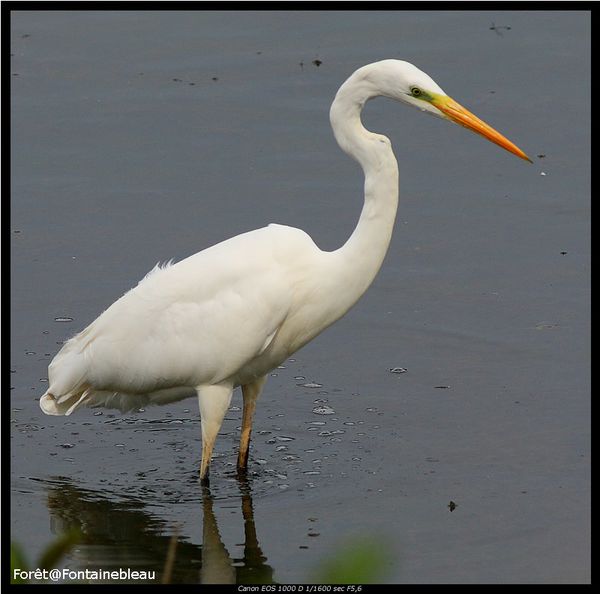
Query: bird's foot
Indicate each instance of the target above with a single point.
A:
(205, 480)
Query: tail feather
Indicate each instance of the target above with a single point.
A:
(88, 397)
(63, 405)
(68, 371)
(68, 389)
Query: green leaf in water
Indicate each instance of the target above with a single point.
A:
(17, 561)
(363, 562)
(57, 549)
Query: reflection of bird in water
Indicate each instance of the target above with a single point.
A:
(122, 534)
(228, 315)
(218, 567)
(116, 533)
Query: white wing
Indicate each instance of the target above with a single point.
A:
(195, 322)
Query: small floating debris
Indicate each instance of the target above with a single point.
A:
(323, 410)
(398, 370)
(498, 28)
(442, 387)
(311, 385)
(63, 319)
(67, 446)
(543, 173)
(452, 506)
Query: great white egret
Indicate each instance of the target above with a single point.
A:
(231, 313)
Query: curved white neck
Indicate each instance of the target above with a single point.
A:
(359, 259)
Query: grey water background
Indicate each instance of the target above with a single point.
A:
(143, 136)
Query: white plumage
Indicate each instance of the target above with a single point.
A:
(175, 327)
(226, 316)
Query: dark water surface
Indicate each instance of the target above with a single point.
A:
(144, 136)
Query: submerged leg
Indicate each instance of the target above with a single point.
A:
(251, 393)
(214, 403)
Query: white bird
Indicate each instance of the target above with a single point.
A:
(231, 313)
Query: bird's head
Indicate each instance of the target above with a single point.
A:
(404, 82)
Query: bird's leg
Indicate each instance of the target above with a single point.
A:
(214, 403)
(251, 393)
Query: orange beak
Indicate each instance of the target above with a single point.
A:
(457, 113)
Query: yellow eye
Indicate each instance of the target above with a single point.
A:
(416, 92)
